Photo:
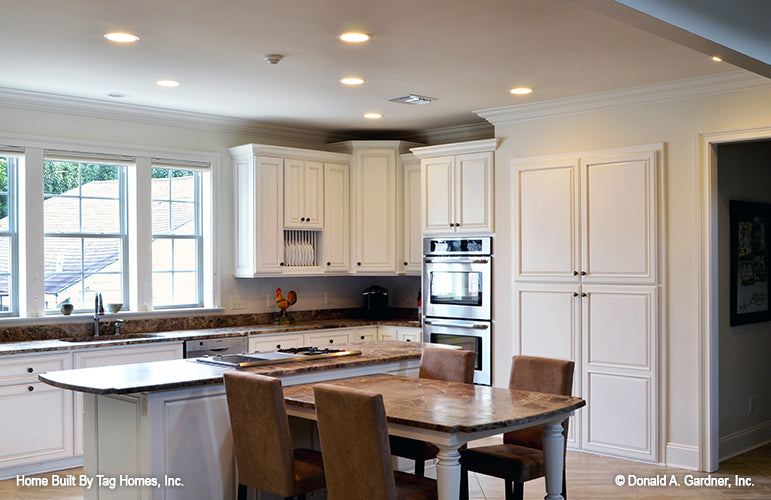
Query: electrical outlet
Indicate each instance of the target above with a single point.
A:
(237, 303)
(750, 404)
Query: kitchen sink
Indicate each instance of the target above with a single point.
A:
(128, 336)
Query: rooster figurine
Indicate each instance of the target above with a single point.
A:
(284, 303)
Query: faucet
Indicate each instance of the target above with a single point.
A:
(118, 324)
(98, 312)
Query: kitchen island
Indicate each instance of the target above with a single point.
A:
(161, 430)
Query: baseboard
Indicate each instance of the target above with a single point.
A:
(744, 440)
(40, 468)
(682, 456)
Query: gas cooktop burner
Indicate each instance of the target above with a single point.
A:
(280, 357)
(309, 351)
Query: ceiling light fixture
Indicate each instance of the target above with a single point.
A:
(121, 37)
(716, 58)
(167, 83)
(355, 37)
(412, 99)
(373, 116)
(352, 80)
(521, 90)
(274, 58)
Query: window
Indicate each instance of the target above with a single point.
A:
(177, 248)
(9, 301)
(85, 243)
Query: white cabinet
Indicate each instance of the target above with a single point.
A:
(337, 221)
(268, 343)
(457, 187)
(588, 219)
(326, 338)
(113, 356)
(36, 418)
(303, 194)
(407, 334)
(412, 252)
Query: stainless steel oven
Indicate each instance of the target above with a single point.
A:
(457, 275)
(457, 301)
(470, 335)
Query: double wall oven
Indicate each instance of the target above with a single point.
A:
(457, 302)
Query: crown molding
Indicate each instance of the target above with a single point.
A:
(94, 108)
(485, 145)
(693, 88)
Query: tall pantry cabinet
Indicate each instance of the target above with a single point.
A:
(587, 287)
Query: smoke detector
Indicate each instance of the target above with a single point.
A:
(273, 58)
(413, 99)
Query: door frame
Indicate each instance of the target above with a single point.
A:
(709, 381)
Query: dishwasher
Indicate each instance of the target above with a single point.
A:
(211, 347)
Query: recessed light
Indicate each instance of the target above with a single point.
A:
(521, 90)
(373, 116)
(355, 37)
(167, 83)
(716, 58)
(121, 37)
(352, 80)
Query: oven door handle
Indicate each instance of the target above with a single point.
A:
(475, 326)
(458, 261)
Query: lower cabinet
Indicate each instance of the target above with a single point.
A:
(266, 343)
(402, 333)
(35, 418)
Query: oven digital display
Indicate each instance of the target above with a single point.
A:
(455, 246)
(456, 288)
(466, 342)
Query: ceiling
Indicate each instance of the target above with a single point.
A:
(466, 54)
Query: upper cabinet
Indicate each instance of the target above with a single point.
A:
(303, 194)
(589, 218)
(413, 238)
(337, 219)
(457, 187)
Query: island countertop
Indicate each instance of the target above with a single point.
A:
(181, 373)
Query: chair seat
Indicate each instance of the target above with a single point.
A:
(308, 471)
(508, 461)
(412, 448)
(410, 487)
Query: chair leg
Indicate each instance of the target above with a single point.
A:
(241, 491)
(564, 485)
(464, 492)
(420, 467)
(516, 490)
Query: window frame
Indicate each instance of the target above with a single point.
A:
(13, 230)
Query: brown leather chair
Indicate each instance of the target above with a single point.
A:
(264, 456)
(354, 440)
(520, 457)
(452, 365)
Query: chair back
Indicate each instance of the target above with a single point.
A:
(551, 376)
(261, 437)
(451, 365)
(354, 442)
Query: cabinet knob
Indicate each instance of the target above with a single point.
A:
(457, 224)
(575, 273)
(451, 225)
(362, 337)
(30, 370)
(302, 219)
(329, 263)
(583, 273)
(331, 341)
(575, 294)
(583, 294)
(278, 346)
(31, 388)
(280, 263)
(405, 263)
(408, 340)
(358, 263)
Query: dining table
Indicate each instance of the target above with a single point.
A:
(450, 414)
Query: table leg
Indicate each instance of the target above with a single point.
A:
(448, 472)
(553, 457)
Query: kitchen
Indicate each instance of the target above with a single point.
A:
(734, 102)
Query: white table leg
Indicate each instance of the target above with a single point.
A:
(448, 472)
(553, 457)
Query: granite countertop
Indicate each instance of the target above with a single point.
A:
(179, 373)
(37, 346)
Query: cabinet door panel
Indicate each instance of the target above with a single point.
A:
(438, 195)
(619, 230)
(413, 236)
(313, 194)
(336, 236)
(474, 193)
(376, 211)
(546, 217)
(270, 240)
(293, 192)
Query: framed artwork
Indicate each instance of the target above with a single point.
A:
(750, 225)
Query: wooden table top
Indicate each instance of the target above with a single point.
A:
(449, 406)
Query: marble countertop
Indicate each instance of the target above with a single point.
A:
(178, 373)
(37, 346)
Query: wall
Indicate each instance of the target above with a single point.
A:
(313, 293)
(744, 173)
(676, 124)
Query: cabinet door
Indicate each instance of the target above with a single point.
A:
(363, 334)
(409, 334)
(413, 237)
(473, 196)
(269, 343)
(337, 234)
(620, 382)
(546, 217)
(375, 235)
(326, 338)
(438, 194)
(313, 194)
(269, 236)
(293, 192)
(303, 194)
(619, 218)
(387, 333)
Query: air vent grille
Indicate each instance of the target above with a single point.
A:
(413, 99)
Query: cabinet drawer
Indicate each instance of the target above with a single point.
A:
(325, 339)
(19, 369)
(268, 343)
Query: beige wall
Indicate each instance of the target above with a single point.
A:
(676, 124)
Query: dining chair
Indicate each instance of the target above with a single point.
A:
(265, 459)
(451, 365)
(520, 457)
(354, 440)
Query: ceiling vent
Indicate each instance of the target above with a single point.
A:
(413, 99)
